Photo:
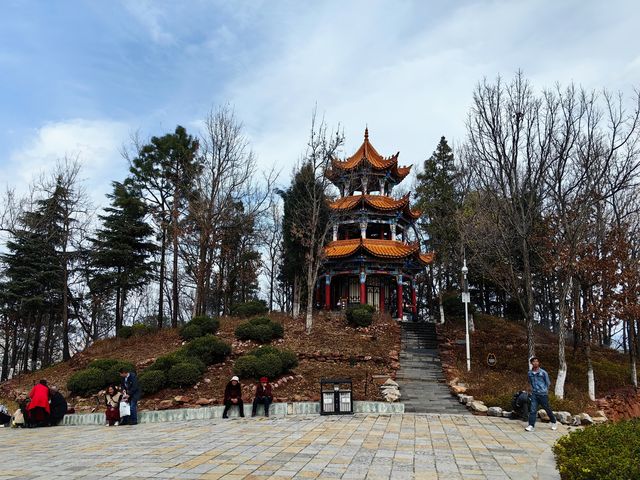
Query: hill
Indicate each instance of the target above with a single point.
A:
(507, 341)
(334, 349)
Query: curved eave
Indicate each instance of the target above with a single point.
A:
(377, 202)
(386, 249)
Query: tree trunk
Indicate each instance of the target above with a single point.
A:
(174, 311)
(530, 307)
(163, 254)
(632, 352)
(564, 287)
(310, 285)
(118, 319)
(66, 355)
(296, 296)
(5, 353)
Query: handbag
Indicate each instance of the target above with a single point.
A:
(125, 409)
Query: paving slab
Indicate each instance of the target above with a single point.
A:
(362, 446)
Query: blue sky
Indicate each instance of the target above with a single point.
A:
(79, 77)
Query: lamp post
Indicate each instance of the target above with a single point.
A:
(465, 300)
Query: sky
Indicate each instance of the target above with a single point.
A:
(79, 78)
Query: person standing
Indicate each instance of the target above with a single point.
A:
(38, 409)
(263, 397)
(233, 396)
(540, 382)
(130, 394)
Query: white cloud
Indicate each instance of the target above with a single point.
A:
(96, 144)
(152, 18)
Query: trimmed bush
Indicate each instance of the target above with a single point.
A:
(165, 362)
(152, 381)
(183, 375)
(249, 309)
(111, 368)
(607, 451)
(246, 366)
(139, 329)
(259, 329)
(86, 382)
(103, 363)
(191, 331)
(210, 349)
(289, 360)
(268, 365)
(207, 324)
(124, 332)
(360, 315)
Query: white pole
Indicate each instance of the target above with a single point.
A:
(465, 299)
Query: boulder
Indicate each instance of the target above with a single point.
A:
(542, 415)
(585, 419)
(165, 404)
(204, 401)
(600, 413)
(454, 382)
(506, 414)
(391, 382)
(598, 420)
(468, 399)
(494, 412)
(391, 397)
(182, 399)
(478, 406)
(458, 389)
(576, 421)
(563, 417)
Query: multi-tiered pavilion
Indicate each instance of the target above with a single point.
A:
(374, 255)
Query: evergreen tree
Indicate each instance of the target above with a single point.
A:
(438, 197)
(122, 251)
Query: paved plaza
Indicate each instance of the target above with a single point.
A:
(409, 446)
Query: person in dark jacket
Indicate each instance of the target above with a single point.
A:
(130, 394)
(38, 409)
(233, 396)
(58, 406)
(263, 397)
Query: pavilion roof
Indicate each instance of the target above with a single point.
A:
(377, 202)
(391, 249)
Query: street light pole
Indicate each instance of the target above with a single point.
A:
(465, 300)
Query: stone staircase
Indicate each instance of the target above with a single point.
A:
(420, 377)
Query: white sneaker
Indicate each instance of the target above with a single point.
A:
(554, 426)
(117, 423)
(530, 428)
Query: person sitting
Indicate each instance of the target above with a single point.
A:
(233, 396)
(38, 409)
(112, 398)
(19, 416)
(58, 407)
(263, 397)
(5, 418)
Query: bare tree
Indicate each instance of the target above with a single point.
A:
(272, 239)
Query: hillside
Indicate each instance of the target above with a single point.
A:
(507, 341)
(333, 350)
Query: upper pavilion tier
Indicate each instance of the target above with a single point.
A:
(367, 157)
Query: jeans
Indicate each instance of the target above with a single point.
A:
(266, 401)
(133, 417)
(541, 399)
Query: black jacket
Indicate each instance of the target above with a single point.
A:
(131, 386)
(58, 406)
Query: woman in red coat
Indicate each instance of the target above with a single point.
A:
(38, 409)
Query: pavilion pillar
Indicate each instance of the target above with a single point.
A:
(363, 229)
(335, 232)
(382, 297)
(400, 300)
(414, 299)
(327, 292)
(381, 180)
(393, 230)
(363, 288)
(381, 231)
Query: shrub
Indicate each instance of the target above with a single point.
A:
(259, 329)
(140, 329)
(453, 306)
(249, 309)
(124, 332)
(607, 451)
(208, 325)
(288, 358)
(183, 375)
(103, 363)
(191, 331)
(152, 381)
(86, 382)
(246, 366)
(210, 349)
(268, 365)
(165, 362)
(111, 368)
(360, 315)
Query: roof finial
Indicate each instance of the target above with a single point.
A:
(366, 132)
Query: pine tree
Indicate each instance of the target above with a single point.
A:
(122, 251)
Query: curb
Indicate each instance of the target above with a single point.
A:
(208, 413)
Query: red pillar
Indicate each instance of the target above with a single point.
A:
(414, 302)
(382, 298)
(363, 288)
(400, 302)
(327, 292)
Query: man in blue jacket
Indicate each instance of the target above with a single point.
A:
(131, 390)
(539, 381)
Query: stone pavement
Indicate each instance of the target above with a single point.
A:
(422, 383)
(408, 446)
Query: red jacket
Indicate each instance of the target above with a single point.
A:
(263, 391)
(39, 395)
